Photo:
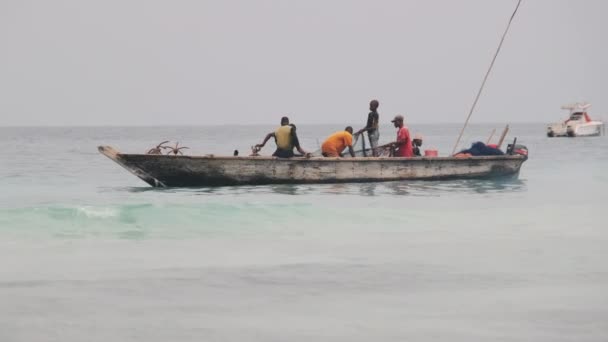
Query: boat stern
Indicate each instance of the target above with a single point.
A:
(589, 129)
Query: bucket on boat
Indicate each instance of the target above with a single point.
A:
(430, 153)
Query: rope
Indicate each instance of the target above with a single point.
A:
(486, 77)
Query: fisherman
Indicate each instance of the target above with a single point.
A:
(295, 140)
(286, 139)
(372, 127)
(416, 144)
(403, 146)
(335, 144)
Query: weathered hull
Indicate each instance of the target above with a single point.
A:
(193, 171)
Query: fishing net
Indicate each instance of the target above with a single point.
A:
(361, 150)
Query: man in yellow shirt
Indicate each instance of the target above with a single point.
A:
(286, 139)
(337, 142)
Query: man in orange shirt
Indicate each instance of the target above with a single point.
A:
(337, 142)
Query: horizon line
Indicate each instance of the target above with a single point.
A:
(248, 124)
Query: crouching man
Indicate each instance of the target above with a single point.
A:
(335, 144)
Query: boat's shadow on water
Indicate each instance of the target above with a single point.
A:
(400, 188)
(426, 188)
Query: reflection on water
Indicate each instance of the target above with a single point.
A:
(368, 189)
(482, 186)
(399, 188)
(284, 189)
(336, 189)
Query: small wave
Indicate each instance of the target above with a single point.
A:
(79, 221)
(93, 212)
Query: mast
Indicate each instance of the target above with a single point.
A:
(486, 77)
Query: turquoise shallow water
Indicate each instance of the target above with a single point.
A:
(89, 252)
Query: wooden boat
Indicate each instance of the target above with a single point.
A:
(183, 171)
(196, 171)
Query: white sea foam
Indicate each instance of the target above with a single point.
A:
(98, 212)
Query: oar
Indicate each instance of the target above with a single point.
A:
(502, 137)
(491, 136)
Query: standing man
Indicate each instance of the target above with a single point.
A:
(403, 145)
(337, 142)
(286, 139)
(372, 127)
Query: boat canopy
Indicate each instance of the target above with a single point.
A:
(578, 111)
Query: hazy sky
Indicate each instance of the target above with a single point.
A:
(121, 62)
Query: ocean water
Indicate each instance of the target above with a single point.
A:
(88, 252)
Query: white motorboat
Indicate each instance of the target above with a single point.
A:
(579, 124)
